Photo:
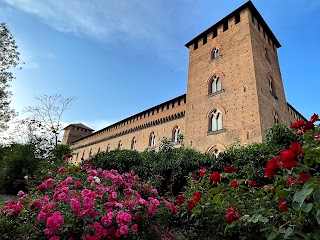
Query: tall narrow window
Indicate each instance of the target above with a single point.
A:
(175, 134)
(152, 140)
(276, 117)
(82, 158)
(215, 84)
(98, 151)
(271, 86)
(215, 53)
(108, 148)
(120, 145)
(215, 122)
(134, 143)
(237, 18)
(90, 153)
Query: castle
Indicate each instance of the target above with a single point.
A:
(234, 93)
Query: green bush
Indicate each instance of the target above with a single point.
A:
(18, 164)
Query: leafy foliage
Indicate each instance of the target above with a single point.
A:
(9, 58)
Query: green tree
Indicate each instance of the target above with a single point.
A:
(9, 58)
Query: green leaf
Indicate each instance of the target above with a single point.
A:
(300, 196)
(272, 235)
(296, 206)
(306, 207)
(316, 196)
(283, 193)
(318, 216)
(288, 232)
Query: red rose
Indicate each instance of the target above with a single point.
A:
(316, 136)
(287, 159)
(202, 171)
(235, 184)
(282, 205)
(215, 177)
(304, 177)
(253, 183)
(229, 169)
(271, 167)
(180, 199)
(309, 125)
(299, 132)
(298, 124)
(291, 181)
(197, 196)
(296, 149)
(231, 215)
(190, 205)
(314, 118)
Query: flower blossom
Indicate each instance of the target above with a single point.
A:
(215, 177)
(229, 169)
(231, 215)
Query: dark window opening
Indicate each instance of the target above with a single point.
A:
(237, 18)
(215, 33)
(204, 39)
(252, 18)
(173, 104)
(195, 46)
(225, 26)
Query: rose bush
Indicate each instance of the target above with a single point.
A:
(282, 204)
(88, 204)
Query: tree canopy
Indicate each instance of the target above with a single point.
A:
(9, 58)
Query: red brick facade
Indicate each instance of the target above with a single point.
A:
(234, 93)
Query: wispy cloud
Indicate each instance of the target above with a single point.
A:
(98, 19)
(112, 21)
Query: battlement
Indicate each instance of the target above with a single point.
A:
(161, 113)
(235, 16)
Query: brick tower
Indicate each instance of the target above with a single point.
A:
(235, 89)
(74, 132)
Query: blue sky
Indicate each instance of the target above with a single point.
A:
(120, 57)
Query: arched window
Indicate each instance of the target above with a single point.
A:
(152, 140)
(215, 120)
(108, 148)
(276, 117)
(216, 149)
(120, 145)
(134, 143)
(175, 134)
(271, 88)
(215, 53)
(214, 84)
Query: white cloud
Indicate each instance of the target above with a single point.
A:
(98, 19)
(112, 21)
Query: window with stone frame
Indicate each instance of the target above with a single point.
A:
(215, 53)
(152, 140)
(215, 121)
(175, 134)
(271, 86)
(214, 84)
(276, 117)
(134, 143)
(120, 145)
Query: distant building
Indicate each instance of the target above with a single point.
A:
(234, 93)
